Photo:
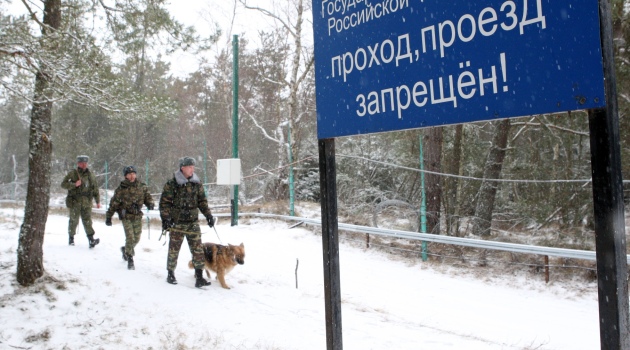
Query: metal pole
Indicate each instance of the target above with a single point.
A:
(235, 122)
(106, 182)
(205, 168)
(610, 235)
(291, 186)
(330, 243)
(14, 178)
(146, 176)
(423, 205)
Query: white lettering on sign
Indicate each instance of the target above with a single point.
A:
(441, 36)
(449, 89)
(348, 14)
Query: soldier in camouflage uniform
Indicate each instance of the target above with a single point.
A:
(127, 202)
(82, 187)
(182, 199)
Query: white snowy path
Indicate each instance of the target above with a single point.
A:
(91, 300)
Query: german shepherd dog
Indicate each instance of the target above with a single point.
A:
(221, 259)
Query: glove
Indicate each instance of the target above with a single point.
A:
(150, 206)
(166, 223)
(210, 220)
(108, 221)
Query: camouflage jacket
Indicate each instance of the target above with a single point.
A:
(88, 188)
(128, 200)
(183, 199)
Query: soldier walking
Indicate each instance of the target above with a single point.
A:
(182, 199)
(82, 187)
(127, 202)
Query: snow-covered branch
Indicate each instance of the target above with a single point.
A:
(260, 127)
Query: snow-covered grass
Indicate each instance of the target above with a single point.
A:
(89, 300)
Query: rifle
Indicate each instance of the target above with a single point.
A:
(79, 176)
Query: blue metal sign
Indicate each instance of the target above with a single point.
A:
(384, 65)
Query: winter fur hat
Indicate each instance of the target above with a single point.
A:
(129, 169)
(82, 159)
(186, 161)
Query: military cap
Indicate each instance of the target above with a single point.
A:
(186, 161)
(129, 169)
(82, 159)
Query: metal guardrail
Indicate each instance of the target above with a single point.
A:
(467, 242)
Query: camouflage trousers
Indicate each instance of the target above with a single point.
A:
(176, 238)
(133, 231)
(83, 210)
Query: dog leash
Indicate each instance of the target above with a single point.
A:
(187, 232)
(215, 231)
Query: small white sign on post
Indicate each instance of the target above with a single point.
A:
(229, 171)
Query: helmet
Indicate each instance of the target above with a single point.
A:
(129, 169)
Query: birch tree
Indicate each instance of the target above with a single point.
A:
(297, 64)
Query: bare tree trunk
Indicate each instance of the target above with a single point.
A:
(482, 221)
(460, 184)
(295, 81)
(30, 246)
(452, 184)
(433, 188)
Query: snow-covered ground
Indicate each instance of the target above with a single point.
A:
(89, 300)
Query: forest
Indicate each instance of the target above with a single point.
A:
(94, 78)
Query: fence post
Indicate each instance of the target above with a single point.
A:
(205, 168)
(106, 183)
(235, 124)
(146, 175)
(14, 179)
(291, 186)
(546, 268)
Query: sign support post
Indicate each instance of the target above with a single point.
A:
(330, 242)
(610, 240)
(608, 207)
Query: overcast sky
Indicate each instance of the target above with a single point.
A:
(203, 14)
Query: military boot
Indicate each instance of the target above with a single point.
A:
(93, 241)
(71, 240)
(171, 277)
(200, 281)
(124, 255)
(130, 265)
